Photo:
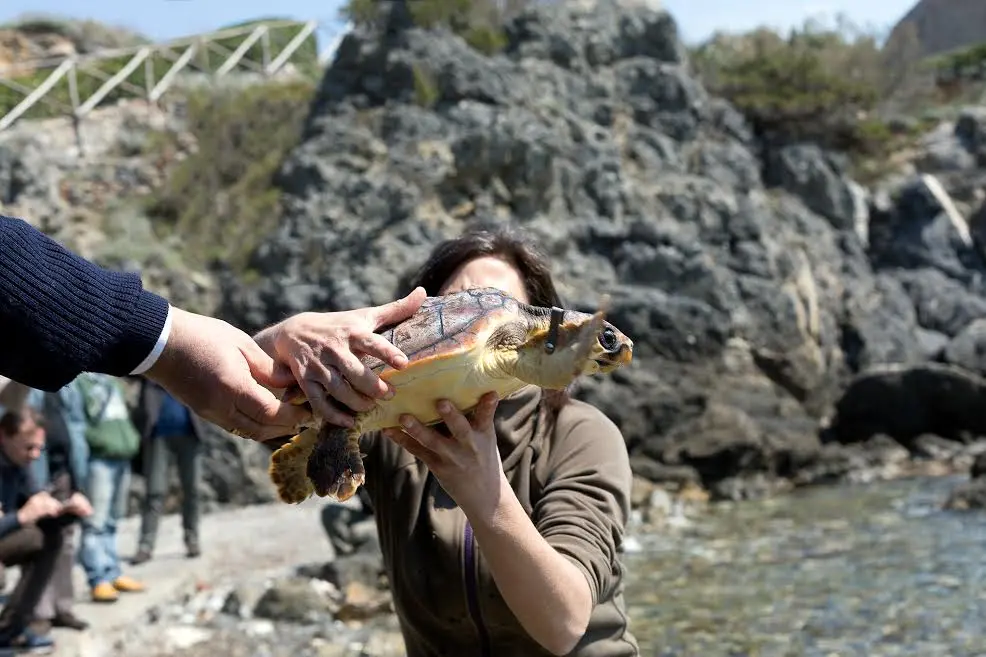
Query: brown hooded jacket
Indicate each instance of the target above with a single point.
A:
(573, 481)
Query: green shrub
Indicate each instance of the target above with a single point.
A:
(963, 64)
(360, 12)
(486, 40)
(479, 22)
(822, 84)
(221, 200)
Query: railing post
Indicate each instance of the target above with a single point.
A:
(148, 75)
(32, 98)
(203, 51)
(73, 99)
(148, 83)
(265, 43)
(235, 56)
(73, 87)
(77, 130)
(291, 47)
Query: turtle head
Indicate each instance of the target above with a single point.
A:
(556, 346)
(609, 349)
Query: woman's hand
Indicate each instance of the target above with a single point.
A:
(467, 463)
(547, 593)
(323, 350)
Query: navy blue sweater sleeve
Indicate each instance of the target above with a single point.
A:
(61, 315)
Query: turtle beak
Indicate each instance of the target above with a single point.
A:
(625, 354)
(618, 358)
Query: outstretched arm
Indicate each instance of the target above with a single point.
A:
(551, 568)
(61, 315)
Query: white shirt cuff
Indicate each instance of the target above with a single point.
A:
(162, 340)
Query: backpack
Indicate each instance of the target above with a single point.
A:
(110, 431)
(53, 409)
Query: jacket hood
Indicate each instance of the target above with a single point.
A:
(517, 425)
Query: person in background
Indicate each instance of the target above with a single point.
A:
(113, 442)
(31, 527)
(168, 428)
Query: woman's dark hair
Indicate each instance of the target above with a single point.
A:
(11, 421)
(501, 242)
(508, 244)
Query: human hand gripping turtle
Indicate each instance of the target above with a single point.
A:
(466, 463)
(471, 348)
(226, 376)
(322, 351)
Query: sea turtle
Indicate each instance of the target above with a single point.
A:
(459, 347)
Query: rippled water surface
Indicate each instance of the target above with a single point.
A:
(865, 570)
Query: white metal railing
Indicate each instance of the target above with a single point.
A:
(179, 53)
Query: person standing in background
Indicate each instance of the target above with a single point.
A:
(168, 429)
(113, 442)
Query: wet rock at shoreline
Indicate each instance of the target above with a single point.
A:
(289, 614)
(295, 600)
(970, 495)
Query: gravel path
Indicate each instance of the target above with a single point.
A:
(260, 538)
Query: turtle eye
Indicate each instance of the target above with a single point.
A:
(607, 339)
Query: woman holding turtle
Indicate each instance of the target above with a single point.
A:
(501, 534)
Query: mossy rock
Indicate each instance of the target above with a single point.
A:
(221, 199)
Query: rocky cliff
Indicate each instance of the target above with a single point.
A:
(792, 326)
(755, 289)
(943, 25)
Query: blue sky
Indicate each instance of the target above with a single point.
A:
(162, 19)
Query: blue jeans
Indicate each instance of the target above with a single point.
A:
(108, 488)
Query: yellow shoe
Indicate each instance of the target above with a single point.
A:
(126, 584)
(104, 592)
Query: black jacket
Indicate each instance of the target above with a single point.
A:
(148, 409)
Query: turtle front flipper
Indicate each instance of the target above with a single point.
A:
(335, 466)
(288, 467)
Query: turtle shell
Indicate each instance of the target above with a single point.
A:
(448, 325)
